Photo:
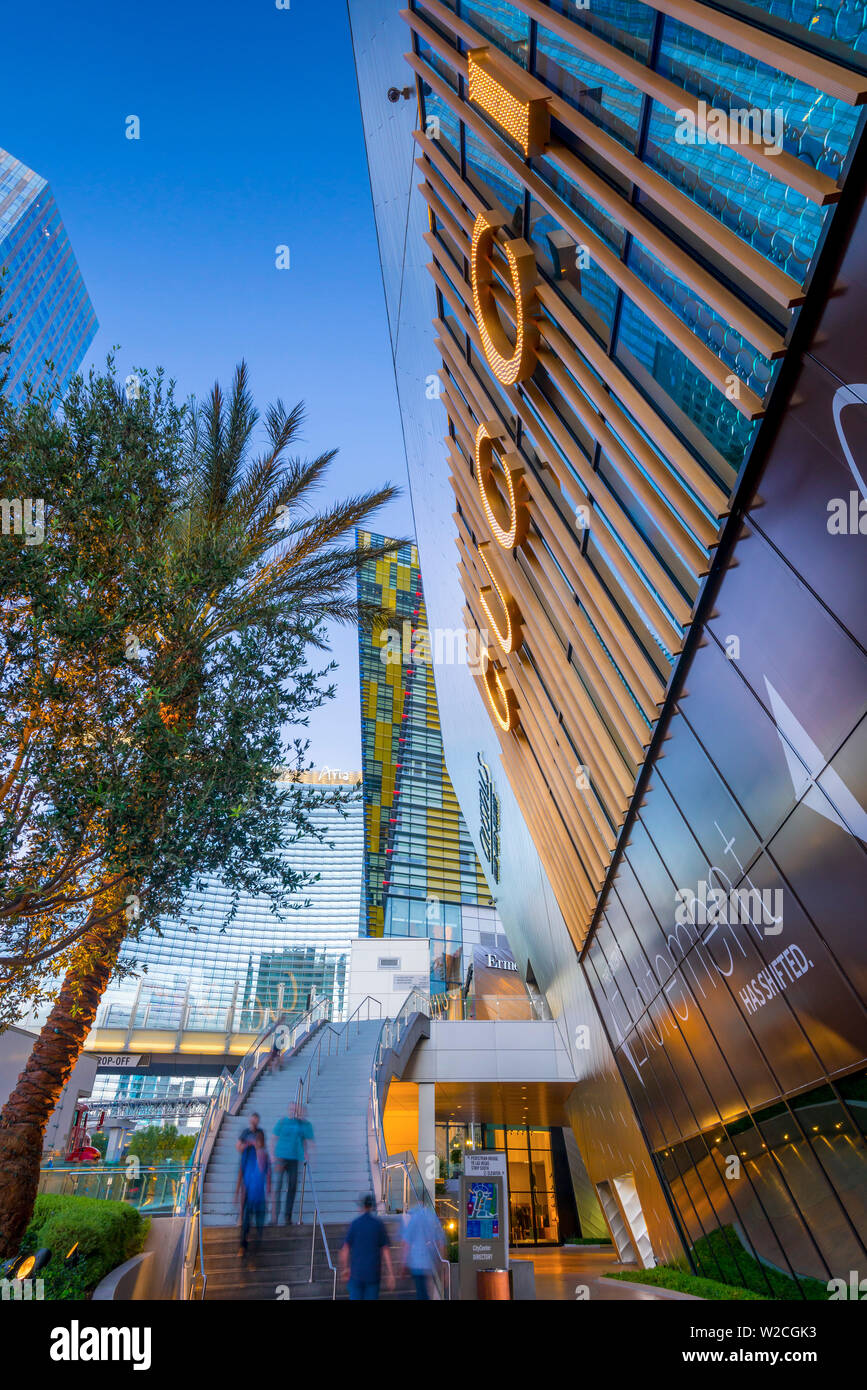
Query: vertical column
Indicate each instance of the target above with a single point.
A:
(427, 1143)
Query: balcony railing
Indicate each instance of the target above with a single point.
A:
(151, 1189)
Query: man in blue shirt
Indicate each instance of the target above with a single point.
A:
(422, 1238)
(293, 1141)
(363, 1251)
(254, 1185)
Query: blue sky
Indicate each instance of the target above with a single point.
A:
(250, 139)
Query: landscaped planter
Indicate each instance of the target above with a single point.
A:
(87, 1237)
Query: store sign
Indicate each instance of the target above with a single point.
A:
(128, 1061)
(489, 814)
(511, 363)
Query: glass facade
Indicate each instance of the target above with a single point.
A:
(627, 242)
(538, 1185)
(52, 322)
(422, 875)
(200, 976)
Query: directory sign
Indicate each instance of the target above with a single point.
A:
(487, 1163)
(481, 1214)
(483, 1229)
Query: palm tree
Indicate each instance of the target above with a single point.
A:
(245, 548)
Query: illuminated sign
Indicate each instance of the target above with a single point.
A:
(481, 1211)
(508, 531)
(508, 517)
(501, 698)
(510, 362)
(509, 636)
(513, 100)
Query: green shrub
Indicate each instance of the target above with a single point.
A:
(720, 1255)
(588, 1240)
(106, 1234)
(670, 1277)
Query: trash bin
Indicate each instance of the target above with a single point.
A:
(493, 1285)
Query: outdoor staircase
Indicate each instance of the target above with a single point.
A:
(280, 1268)
(337, 1109)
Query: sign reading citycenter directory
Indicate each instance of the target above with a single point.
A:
(483, 1229)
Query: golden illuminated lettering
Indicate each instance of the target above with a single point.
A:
(513, 100)
(509, 525)
(510, 362)
(509, 637)
(501, 699)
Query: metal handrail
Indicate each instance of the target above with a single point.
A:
(448, 1264)
(390, 1036)
(232, 1086)
(317, 1220)
(307, 1079)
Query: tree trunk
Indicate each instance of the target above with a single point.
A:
(54, 1054)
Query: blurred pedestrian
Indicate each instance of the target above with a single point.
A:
(254, 1188)
(422, 1238)
(275, 1060)
(364, 1251)
(293, 1145)
(248, 1134)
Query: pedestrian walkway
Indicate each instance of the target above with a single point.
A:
(561, 1272)
(337, 1110)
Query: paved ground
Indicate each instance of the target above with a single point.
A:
(559, 1272)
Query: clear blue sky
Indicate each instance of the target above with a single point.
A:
(250, 139)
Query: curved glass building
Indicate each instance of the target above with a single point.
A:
(625, 261)
(204, 990)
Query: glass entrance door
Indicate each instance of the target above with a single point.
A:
(532, 1197)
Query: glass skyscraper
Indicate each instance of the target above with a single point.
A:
(623, 255)
(52, 322)
(422, 876)
(203, 989)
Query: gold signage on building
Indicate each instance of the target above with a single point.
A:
(501, 699)
(510, 531)
(509, 636)
(510, 362)
(513, 100)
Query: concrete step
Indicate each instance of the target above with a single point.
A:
(266, 1292)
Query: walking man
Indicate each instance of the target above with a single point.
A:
(253, 1188)
(422, 1238)
(364, 1251)
(293, 1143)
(248, 1134)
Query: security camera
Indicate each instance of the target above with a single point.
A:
(394, 94)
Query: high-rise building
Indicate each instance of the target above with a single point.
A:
(636, 230)
(422, 876)
(51, 319)
(202, 989)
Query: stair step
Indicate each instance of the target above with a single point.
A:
(337, 1107)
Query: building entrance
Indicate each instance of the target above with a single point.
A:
(532, 1177)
